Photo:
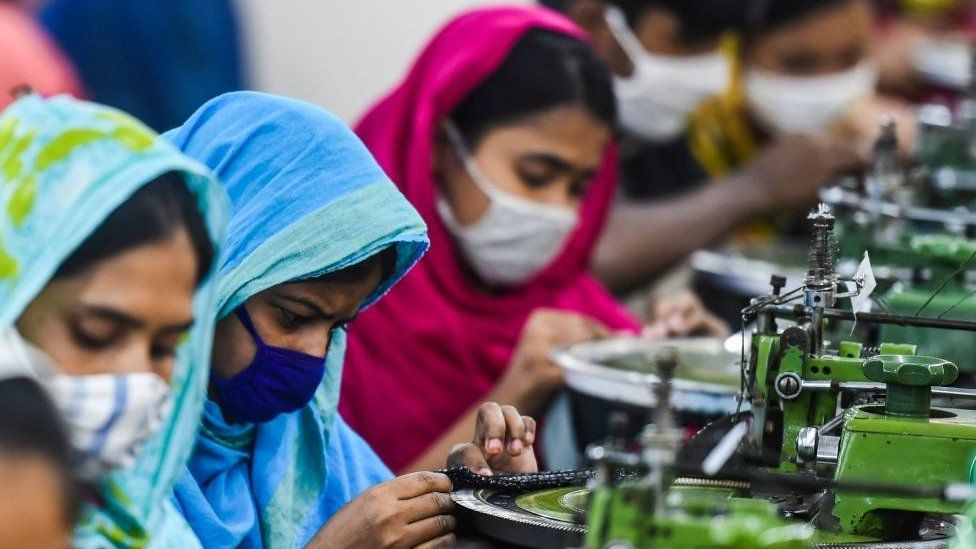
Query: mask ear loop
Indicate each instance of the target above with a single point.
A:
(245, 319)
(478, 176)
(623, 35)
(495, 194)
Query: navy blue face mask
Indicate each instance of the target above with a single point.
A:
(276, 382)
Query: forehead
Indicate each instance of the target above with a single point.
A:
(334, 290)
(570, 133)
(661, 31)
(836, 27)
(154, 283)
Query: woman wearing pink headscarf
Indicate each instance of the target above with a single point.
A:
(501, 137)
(30, 58)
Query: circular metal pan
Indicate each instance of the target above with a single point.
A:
(620, 370)
(498, 517)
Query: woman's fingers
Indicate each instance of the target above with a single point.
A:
(417, 484)
(529, 430)
(514, 430)
(469, 456)
(443, 541)
(714, 326)
(490, 429)
(426, 506)
(428, 530)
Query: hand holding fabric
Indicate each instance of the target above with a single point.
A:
(502, 443)
(409, 511)
(683, 315)
(531, 370)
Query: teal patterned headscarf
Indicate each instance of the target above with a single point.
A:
(65, 165)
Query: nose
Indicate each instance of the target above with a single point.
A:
(316, 343)
(135, 358)
(560, 195)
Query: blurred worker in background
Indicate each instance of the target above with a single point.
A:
(806, 68)
(666, 56)
(108, 236)
(39, 498)
(501, 137)
(30, 57)
(665, 211)
(157, 61)
(924, 47)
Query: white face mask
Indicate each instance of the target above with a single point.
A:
(807, 104)
(109, 417)
(656, 100)
(515, 238)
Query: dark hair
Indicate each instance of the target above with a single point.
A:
(31, 426)
(543, 71)
(151, 214)
(699, 20)
(768, 15)
(385, 258)
(558, 5)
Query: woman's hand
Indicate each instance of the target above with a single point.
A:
(532, 376)
(860, 126)
(683, 315)
(409, 511)
(502, 443)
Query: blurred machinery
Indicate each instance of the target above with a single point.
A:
(833, 445)
(840, 415)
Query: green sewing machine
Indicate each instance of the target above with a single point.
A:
(918, 232)
(850, 411)
(658, 510)
(832, 434)
(845, 444)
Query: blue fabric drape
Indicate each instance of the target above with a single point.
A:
(307, 199)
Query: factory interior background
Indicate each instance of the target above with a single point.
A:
(602, 274)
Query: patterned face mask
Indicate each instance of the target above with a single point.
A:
(109, 417)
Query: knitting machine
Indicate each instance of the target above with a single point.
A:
(836, 444)
(922, 255)
(849, 411)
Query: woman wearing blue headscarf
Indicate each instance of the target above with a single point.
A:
(317, 233)
(107, 236)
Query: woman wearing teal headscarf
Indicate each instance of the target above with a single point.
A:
(317, 233)
(107, 236)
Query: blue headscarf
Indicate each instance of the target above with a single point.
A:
(307, 199)
(65, 165)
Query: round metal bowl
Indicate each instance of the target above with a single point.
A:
(621, 370)
(497, 516)
(551, 519)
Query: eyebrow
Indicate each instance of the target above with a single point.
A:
(118, 317)
(319, 309)
(551, 159)
(560, 164)
(179, 328)
(110, 314)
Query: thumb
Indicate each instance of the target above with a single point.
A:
(469, 456)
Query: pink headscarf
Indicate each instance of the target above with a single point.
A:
(436, 345)
(30, 57)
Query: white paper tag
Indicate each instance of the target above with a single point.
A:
(861, 303)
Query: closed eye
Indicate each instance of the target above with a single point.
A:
(292, 319)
